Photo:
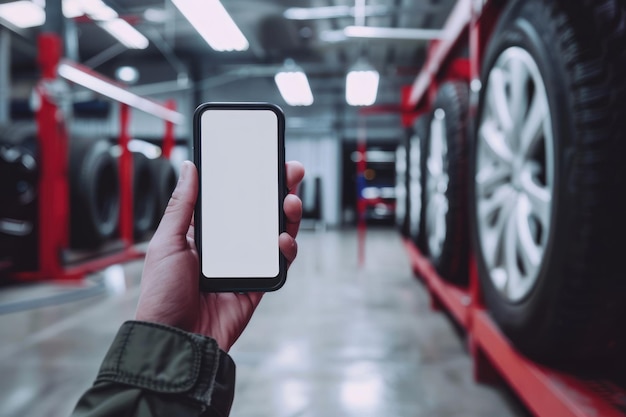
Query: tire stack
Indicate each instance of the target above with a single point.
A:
(435, 179)
(94, 187)
(19, 173)
(95, 193)
(533, 186)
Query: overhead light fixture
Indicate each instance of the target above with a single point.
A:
(331, 12)
(293, 85)
(128, 36)
(156, 15)
(23, 14)
(213, 23)
(381, 33)
(107, 19)
(96, 9)
(83, 76)
(127, 74)
(72, 9)
(369, 32)
(362, 84)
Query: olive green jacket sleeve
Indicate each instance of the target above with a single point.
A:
(155, 370)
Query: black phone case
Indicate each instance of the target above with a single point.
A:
(241, 284)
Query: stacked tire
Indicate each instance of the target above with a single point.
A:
(94, 192)
(445, 183)
(402, 189)
(19, 174)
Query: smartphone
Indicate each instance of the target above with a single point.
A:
(239, 151)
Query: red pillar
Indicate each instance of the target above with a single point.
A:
(126, 178)
(53, 151)
(168, 139)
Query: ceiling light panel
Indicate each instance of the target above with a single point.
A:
(294, 87)
(362, 87)
(23, 14)
(125, 33)
(211, 20)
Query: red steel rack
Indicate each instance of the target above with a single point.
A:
(53, 239)
(546, 392)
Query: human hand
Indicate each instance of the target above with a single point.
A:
(170, 291)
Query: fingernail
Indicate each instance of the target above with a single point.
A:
(184, 170)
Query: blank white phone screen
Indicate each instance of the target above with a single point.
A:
(240, 208)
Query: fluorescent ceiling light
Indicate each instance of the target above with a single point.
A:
(72, 9)
(156, 15)
(107, 19)
(294, 87)
(125, 33)
(95, 9)
(23, 14)
(312, 13)
(213, 23)
(83, 76)
(369, 32)
(331, 12)
(362, 85)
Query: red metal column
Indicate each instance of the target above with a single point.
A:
(53, 150)
(408, 114)
(126, 178)
(168, 139)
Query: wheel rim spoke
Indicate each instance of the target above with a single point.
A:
(533, 126)
(496, 142)
(500, 205)
(530, 252)
(519, 95)
(490, 177)
(498, 100)
(539, 197)
(510, 258)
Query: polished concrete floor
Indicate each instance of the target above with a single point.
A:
(337, 340)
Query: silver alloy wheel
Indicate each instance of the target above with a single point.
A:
(514, 174)
(437, 181)
(415, 184)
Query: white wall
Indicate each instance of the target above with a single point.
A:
(321, 158)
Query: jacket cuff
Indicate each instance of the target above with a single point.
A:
(168, 360)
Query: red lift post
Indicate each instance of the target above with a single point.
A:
(52, 135)
(545, 392)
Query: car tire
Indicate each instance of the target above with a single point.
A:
(417, 161)
(548, 225)
(144, 196)
(402, 188)
(445, 180)
(19, 196)
(165, 181)
(94, 192)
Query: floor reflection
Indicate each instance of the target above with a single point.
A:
(336, 340)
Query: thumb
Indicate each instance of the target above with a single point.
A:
(179, 211)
